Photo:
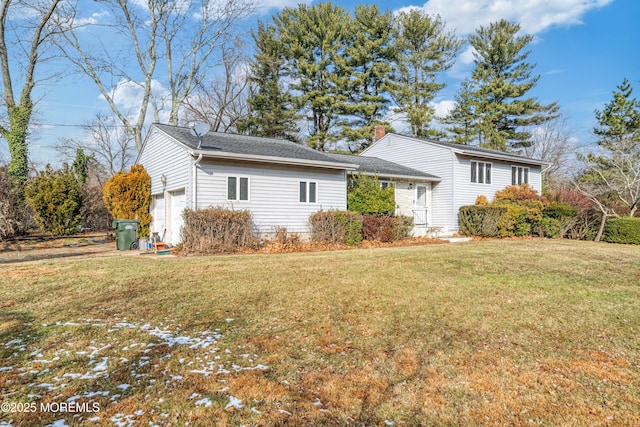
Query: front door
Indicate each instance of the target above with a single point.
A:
(420, 209)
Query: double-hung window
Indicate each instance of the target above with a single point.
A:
(480, 172)
(519, 175)
(308, 192)
(237, 188)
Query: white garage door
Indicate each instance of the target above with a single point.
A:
(158, 214)
(178, 203)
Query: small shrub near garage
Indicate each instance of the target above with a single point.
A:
(622, 230)
(128, 196)
(337, 227)
(217, 230)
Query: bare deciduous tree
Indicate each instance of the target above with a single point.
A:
(552, 142)
(25, 33)
(222, 101)
(167, 48)
(108, 145)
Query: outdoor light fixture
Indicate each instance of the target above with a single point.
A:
(410, 185)
(163, 180)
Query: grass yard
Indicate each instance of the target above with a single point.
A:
(489, 333)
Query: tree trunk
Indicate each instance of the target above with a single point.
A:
(17, 171)
(603, 221)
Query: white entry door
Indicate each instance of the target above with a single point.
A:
(178, 203)
(420, 210)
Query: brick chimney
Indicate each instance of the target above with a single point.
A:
(379, 132)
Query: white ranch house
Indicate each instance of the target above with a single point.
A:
(282, 183)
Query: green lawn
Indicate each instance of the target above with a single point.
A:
(516, 332)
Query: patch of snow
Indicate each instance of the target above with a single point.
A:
(102, 366)
(58, 423)
(206, 402)
(234, 402)
(282, 411)
(123, 387)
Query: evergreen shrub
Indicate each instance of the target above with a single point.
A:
(622, 230)
(128, 196)
(56, 200)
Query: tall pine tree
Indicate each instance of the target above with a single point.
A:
(424, 49)
(369, 53)
(313, 38)
(494, 96)
(272, 113)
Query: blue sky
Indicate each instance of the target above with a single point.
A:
(583, 49)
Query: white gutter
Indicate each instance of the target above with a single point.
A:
(272, 159)
(510, 159)
(404, 177)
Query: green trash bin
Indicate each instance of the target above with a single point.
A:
(126, 233)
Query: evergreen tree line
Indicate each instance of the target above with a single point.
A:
(341, 74)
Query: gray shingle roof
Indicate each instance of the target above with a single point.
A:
(472, 149)
(216, 142)
(382, 168)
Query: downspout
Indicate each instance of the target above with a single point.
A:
(543, 171)
(195, 182)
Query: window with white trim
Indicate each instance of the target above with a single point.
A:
(519, 175)
(481, 172)
(385, 184)
(308, 192)
(237, 188)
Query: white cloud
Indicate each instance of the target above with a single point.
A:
(127, 95)
(265, 6)
(91, 20)
(468, 55)
(534, 16)
(442, 108)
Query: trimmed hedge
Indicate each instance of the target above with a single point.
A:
(482, 220)
(386, 228)
(217, 230)
(343, 227)
(622, 230)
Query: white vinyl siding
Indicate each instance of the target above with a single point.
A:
(274, 199)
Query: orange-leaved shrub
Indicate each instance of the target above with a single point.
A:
(128, 196)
